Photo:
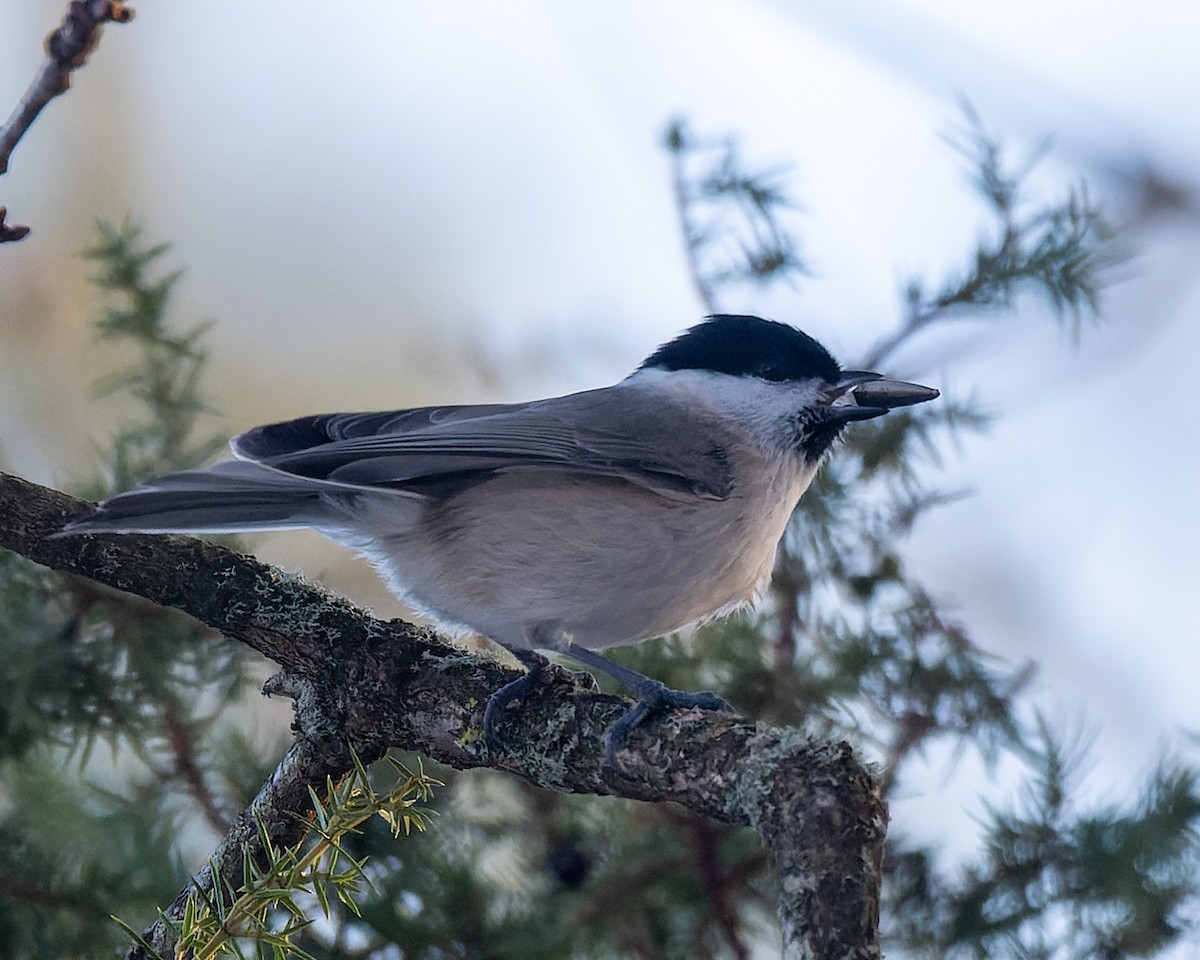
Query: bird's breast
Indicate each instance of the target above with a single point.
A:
(606, 562)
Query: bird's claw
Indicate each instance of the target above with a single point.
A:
(516, 689)
(655, 698)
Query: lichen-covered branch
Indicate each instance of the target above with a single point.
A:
(368, 685)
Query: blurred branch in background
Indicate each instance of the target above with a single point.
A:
(67, 49)
(1058, 878)
(166, 378)
(729, 217)
(1058, 252)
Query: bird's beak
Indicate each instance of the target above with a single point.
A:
(863, 395)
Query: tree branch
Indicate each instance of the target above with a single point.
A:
(186, 767)
(676, 142)
(371, 685)
(67, 49)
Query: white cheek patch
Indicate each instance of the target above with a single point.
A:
(761, 407)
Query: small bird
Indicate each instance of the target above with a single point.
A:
(570, 524)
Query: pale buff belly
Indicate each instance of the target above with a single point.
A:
(607, 564)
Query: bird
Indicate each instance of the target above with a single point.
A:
(570, 524)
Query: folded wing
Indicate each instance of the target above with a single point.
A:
(309, 472)
(436, 451)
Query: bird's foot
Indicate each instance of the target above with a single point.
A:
(535, 664)
(652, 697)
(655, 697)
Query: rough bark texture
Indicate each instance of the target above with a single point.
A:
(369, 684)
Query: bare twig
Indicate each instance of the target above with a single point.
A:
(186, 768)
(729, 216)
(711, 873)
(11, 231)
(67, 50)
(370, 685)
(43, 899)
(1060, 251)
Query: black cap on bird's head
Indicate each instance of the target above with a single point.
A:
(745, 346)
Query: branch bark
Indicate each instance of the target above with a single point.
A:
(369, 684)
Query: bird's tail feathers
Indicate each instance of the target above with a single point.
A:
(233, 496)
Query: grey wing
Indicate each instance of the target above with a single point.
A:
(437, 451)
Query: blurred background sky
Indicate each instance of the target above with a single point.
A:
(390, 204)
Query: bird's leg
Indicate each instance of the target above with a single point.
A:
(534, 664)
(653, 697)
